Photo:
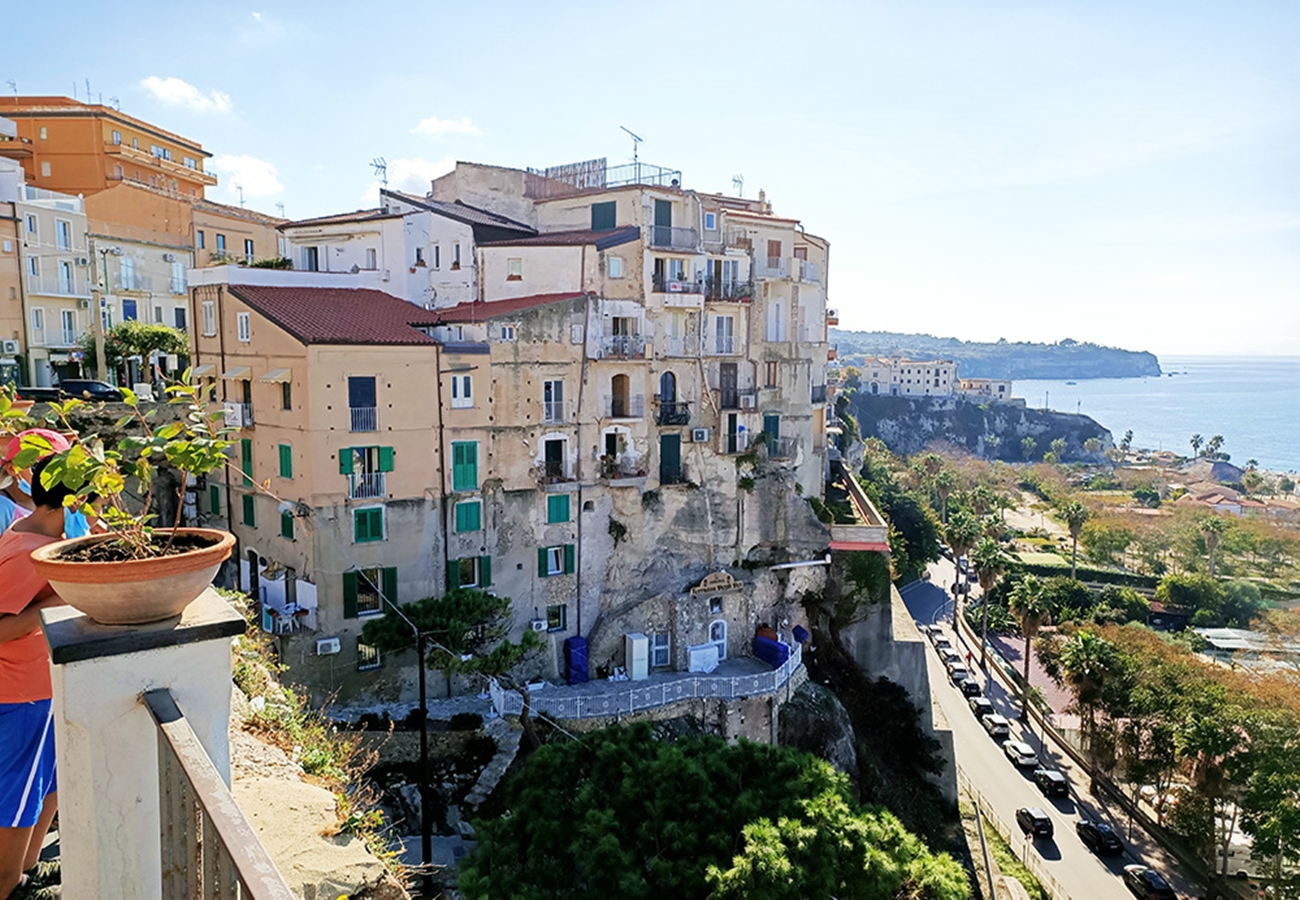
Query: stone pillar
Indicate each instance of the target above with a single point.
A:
(107, 742)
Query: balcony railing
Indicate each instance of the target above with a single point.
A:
(617, 468)
(781, 447)
(208, 848)
(364, 418)
(62, 287)
(679, 346)
(673, 474)
(741, 291)
(366, 485)
(737, 398)
(553, 411)
(770, 267)
(669, 238)
(676, 286)
(622, 346)
(722, 345)
(819, 393)
(553, 471)
(625, 407)
(137, 282)
(673, 412)
(239, 415)
(806, 271)
(739, 239)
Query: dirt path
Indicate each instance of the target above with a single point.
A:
(1025, 518)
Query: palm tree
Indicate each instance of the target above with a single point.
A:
(1075, 514)
(1196, 443)
(1092, 445)
(1127, 442)
(944, 483)
(989, 562)
(1029, 606)
(1087, 661)
(1212, 529)
(963, 533)
(1213, 444)
(1027, 445)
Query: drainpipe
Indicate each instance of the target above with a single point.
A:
(803, 563)
(442, 473)
(221, 350)
(582, 384)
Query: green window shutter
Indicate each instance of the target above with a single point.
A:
(368, 525)
(469, 516)
(485, 571)
(390, 583)
(541, 562)
(453, 574)
(214, 499)
(249, 511)
(349, 595)
(464, 466)
(568, 559)
(345, 461)
(557, 508)
(246, 460)
(385, 459)
(286, 461)
(603, 216)
(286, 525)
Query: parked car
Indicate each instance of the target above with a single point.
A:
(945, 551)
(997, 726)
(1098, 837)
(1033, 820)
(72, 387)
(1146, 883)
(957, 673)
(1051, 782)
(982, 706)
(941, 643)
(1021, 754)
(927, 630)
(950, 656)
(971, 688)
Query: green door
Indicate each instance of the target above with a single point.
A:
(772, 426)
(663, 236)
(670, 458)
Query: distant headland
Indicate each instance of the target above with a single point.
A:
(1003, 359)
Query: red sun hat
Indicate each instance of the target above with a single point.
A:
(58, 443)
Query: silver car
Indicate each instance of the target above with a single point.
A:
(1021, 754)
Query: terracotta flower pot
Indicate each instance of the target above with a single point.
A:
(136, 591)
(23, 405)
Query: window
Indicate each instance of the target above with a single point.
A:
(286, 525)
(190, 162)
(214, 499)
(310, 259)
(660, 644)
(286, 395)
(603, 216)
(676, 270)
(364, 591)
(286, 460)
(198, 238)
(769, 374)
(65, 277)
(32, 226)
(178, 316)
(557, 508)
(464, 465)
(462, 392)
(9, 246)
(718, 638)
(221, 244)
(557, 617)
(372, 259)
(117, 138)
(368, 525)
(63, 234)
(45, 133)
(419, 256)
(710, 224)
(135, 143)
(616, 267)
(244, 325)
(246, 460)
(178, 278)
(34, 266)
(437, 256)
(117, 172)
(552, 401)
(555, 560)
(45, 169)
(507, 333)
(126, 273)
(209, 317)
(68, 319)
(158, 315)
(367, 657)
(514, 269)
(249, 517)
(469, 572)
(773, 253)
(248, 249)
(455, 256)
(725, 333)
(38, 325)
(469, 516)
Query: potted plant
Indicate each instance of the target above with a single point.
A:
(135, 572)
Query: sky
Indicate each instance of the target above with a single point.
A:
(1125, 173)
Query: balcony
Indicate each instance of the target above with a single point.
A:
(553, 472)
(782, 447)
(622, 346)
(674, 474)
(134, 282)
(735, 291)
(771, 267)
(366, 485)
(867, 530)
(623, 469)
(665, 237)
(679, 346)
(673, 412)
(806, 271)
(239, 415)
(722, 345)
(737, 398)
(553, 411)
(664, 285)
(624, 407)
(819, 393)
(363, 418)
(739, 239)
(53, 285)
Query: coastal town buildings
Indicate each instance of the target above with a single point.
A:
(221, 233)
(896, 376)
(981, 389)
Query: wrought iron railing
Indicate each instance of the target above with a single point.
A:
(364, 418)
(552, 411)
(625, 407)
(366, 485)
(668, 237)
(673, 412)
(735, 398)
(665, 285)
(628, 346)
(742, 291)
(722, 345)
(679, 346)
(552, 471)
(209, 849)
(781, 447)
(674, 474)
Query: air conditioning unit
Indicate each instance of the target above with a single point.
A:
(700, 435)
(83, 260)
(539, 624)
(9, 346)
(169, 257)
(83, 304)
(747, 401)
(327, 646)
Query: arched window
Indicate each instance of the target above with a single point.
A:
(618, 399)
(668, 388)
(718, 638)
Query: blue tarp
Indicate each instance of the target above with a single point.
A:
(801, 634)
(774, 653)
(575, 659)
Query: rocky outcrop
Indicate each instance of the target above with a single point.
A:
(814, 720)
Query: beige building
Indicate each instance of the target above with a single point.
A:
(899, 377)
(985, 388)
(11, 282)
(222, 234)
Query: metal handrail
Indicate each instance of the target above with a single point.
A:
(364, 418)
(1013, 837)
(208, 848)
(666, 236)
(673, 412)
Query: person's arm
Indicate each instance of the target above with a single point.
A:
(21, 624)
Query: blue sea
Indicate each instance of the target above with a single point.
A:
(1254, 402)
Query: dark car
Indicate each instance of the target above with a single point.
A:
(1033, 820)
(73, 387)
(971, 688)
(1098, 836)
(1146, 883)
(1051, 782)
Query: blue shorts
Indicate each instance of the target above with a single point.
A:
(26, 761)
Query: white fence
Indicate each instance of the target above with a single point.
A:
(584, 702)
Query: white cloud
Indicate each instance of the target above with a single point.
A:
(258, 17)
(410, 175)
(256, 176)
(435, 127)
(178, 92)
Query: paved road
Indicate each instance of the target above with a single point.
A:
(1081, 874)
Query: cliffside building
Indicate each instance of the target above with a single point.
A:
(899, 377)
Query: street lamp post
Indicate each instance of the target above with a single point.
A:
(97, 314)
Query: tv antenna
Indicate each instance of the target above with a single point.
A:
(739, 182)
(13, 86)
(280, 206)
(380, 166)
(636, 142)
(240, 188)
(117, 104)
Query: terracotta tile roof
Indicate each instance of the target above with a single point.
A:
(320, 315)
(602, 239)
(462, 212)
(360, 215)
(236, 212)
(481, 312)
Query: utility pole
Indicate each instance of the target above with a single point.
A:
(97, 312)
